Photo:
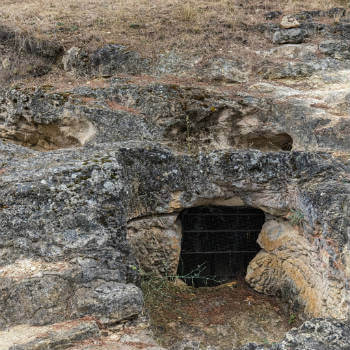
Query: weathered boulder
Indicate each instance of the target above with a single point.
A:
(76, 60)
(105, 61)
(289, 36)
(290, 70)
(112, 59)
(110, 301)
(156, 244)
(282, 245)
(288, 22)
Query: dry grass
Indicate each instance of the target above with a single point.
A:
(151, 26)
(201, 28)
(180, 312)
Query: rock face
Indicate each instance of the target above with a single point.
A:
(312, 335)
(59, 336)
(336, 49)
(289, 36)
(73, 211)
(125, 155)
(106, 61)
(156, 243)
(287, 265)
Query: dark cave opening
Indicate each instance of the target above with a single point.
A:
(218, 243)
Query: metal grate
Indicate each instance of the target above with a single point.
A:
(218, 241)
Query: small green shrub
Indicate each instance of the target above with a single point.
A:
(296, 217)
(292, 319)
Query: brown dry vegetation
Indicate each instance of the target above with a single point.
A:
(39, 29)
(150, 26)
(203, 314)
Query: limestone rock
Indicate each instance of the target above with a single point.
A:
(130, 338)
(112, 59)
(337, 49)
(290, 70)
(292, 269)
(104, 187)
(57, 336)
(156, 244)
(315, 334)
(294, 51)
(289, 36)
(229, 71)
(186, 345)
(76, 60)
(6, 63)
(124, 157)
(289, 22)
(105, 61)
(111, 302)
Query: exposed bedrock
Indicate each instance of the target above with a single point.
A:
(64, 224)
(124, 156)
(315, 334)
(268, 117)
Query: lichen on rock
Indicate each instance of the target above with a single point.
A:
(96, 172)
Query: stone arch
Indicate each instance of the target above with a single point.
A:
(287, 264)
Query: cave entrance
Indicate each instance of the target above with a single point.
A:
(218, 243)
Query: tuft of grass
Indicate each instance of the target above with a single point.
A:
(292, 319)
(92, 23)
(296, 217)
(203, 28)
(188, 12)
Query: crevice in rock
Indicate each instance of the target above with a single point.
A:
(265, 142)
(71, 132)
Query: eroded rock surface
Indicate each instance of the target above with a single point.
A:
(312, 335)
(106, 61)
(125, 155)
(75, 210)
(57, 336)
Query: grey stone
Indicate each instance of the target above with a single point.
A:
(61, 336)
(226, 70)
(294, 70)
(339, 49)
(76, 60)
(186, 345)
(111, 302)
(316, 334)
(289, 36)
(105, 61)
(112, 59)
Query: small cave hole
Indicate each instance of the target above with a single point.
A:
(271, 142)
(218, 243)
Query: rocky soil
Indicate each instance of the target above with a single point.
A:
(102, 148)
(215, 316)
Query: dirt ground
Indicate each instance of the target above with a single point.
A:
(225, 316)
